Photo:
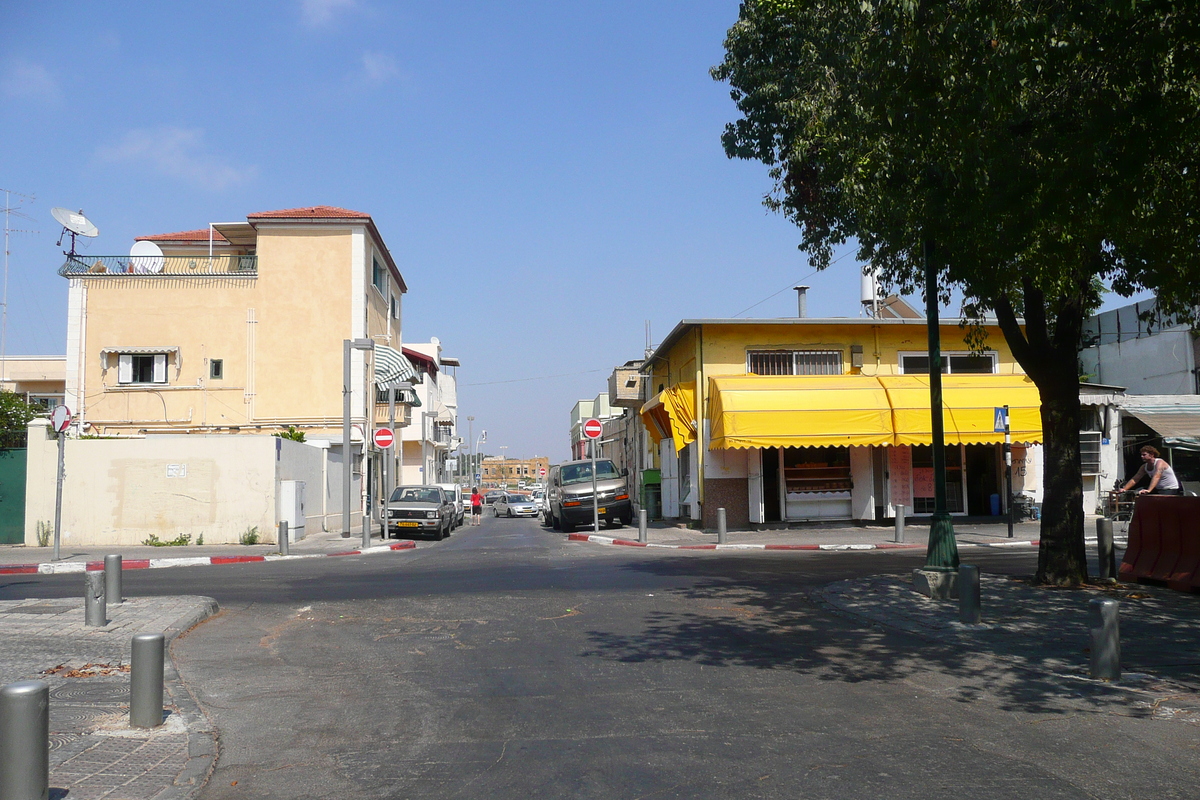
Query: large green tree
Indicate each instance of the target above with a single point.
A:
(1044, 149)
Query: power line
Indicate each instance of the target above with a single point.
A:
(539, 378)
(791, 284)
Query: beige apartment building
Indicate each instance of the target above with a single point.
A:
(511, 472)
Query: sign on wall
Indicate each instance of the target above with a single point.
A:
(900, 484)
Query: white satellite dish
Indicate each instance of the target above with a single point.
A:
(146, 257)
(75, 224)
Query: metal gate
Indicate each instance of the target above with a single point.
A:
(12, 495)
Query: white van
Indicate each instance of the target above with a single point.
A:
(455, 492)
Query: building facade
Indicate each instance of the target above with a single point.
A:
(514, 473)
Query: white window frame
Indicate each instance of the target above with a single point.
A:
(946, 366)
(158, 369)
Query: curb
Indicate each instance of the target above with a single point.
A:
(594, 539)
(51, 568)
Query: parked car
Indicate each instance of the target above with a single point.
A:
(423, 510)
(570, 494)
(492, 496)
(515, 505)
(460, 501)
(539, 499)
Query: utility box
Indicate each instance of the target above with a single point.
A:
(291, 508)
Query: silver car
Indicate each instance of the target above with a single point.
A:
(423, 510)
(515, 505)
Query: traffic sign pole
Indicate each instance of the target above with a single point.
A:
(1008, 470)
(593, 429)
(60, 419)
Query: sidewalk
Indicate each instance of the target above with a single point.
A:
(20, 558)
(93, 751)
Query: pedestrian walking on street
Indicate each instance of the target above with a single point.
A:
(476, 506)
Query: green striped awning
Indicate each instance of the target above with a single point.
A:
(392, 366)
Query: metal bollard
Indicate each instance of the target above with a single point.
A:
(283, 537)
(899, 537)
(721, 526)
(968, 595)
(25, 741)
(1104, 549)
(642, 532)
(1104, 619)
(95, 609)
(146, 680)
(112, 580)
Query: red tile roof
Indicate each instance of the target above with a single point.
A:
(311, 212)
(198, 235)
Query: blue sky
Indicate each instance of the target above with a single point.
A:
(549, 176)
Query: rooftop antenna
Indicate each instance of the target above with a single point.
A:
(9, 211)
(73, 224)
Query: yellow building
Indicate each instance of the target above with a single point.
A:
(797, 419)
(237, 327)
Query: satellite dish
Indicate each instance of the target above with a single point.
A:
(73, 224)
(146, 257)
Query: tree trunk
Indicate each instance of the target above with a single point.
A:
(1062, 558)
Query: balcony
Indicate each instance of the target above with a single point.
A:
(84, 266)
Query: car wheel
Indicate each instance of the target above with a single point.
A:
(510, 513)
(566, 526)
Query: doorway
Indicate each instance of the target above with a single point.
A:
(983, 478)
(772, 505)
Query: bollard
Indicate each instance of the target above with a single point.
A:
(720, 526)
(1104, 549)
(968, 594)
(112, 580)
(146, 681)
(899, 538)
(642, 533)
(95, 611)
(283, 538)
(1104, 619)
(25, 741)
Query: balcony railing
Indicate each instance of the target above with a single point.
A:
(82, 266)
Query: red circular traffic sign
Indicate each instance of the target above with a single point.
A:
(592, 429)
(383, 437)
(542, 471)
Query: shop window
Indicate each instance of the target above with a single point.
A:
(794, 362)
(922, 472)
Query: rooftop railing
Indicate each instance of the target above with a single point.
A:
(81, 266)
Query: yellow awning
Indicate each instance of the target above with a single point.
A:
(672, 413)
(797, 411)
(969, 403)
(855, 410)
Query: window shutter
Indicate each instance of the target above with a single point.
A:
(124, 369)
(160, 367)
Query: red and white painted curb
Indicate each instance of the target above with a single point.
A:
(593, 538)
(51, 568)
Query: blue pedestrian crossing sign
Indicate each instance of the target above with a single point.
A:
(1001, 420)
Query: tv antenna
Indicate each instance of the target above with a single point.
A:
(10, 211)
(73, 224)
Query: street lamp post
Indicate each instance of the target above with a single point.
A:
(503, 464)
(347, 460)
(471, 450)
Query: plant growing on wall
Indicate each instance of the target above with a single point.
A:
(292, 433)
(15, 415)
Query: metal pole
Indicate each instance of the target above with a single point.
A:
(1104, 549)
(112, 580)
(942, 554)
(95, 612)
(968, 594)
(720, 526)
(642, 532)
(366, 530)
(283, 537)
(899, 537)
(62, 438)
(347, 463)
(146, 680)
(595, 499)
(1104, 620)
(25, 741)
(1008, 504)
(391, 454)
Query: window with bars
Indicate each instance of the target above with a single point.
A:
(794, 362)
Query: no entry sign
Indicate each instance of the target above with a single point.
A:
(542, 472)
(383, 438)
(592, 429)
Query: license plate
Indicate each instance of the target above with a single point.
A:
(408, 524)
(601, 510)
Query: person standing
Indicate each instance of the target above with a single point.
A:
(1162, 477)
(476, 506)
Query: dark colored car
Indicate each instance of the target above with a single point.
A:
(491, 497)
(420, 510)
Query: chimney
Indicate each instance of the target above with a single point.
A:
(801, 301)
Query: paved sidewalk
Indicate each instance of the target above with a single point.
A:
(93, 751)
(16, 559)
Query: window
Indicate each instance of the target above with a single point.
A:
(216, 369)
(1089, 440)
(794, 362)
(377, 276)
(952, 364)
(395, 308)
(134, 368)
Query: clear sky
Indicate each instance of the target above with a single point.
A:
(548, 175)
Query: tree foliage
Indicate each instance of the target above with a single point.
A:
(15, 415)
(1045, 148)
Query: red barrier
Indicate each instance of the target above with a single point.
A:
(1164, 542)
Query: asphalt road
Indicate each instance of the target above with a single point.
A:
(506, 662)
